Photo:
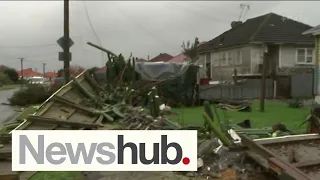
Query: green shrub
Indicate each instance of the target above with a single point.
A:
(4, 79)
(32, 94)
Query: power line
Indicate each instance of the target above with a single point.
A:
(198, 13)
(30, 46)
(216, 9)
(92, 28)
(146, 30)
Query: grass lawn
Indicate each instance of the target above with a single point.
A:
(9, 86)
(274, 113)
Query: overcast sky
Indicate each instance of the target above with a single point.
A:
(143, 28)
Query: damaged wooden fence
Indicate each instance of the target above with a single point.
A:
(64, 110)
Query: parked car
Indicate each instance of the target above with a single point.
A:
(36, 80)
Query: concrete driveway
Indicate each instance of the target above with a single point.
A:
(5, 110)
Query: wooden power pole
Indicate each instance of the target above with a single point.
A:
(44, 69)
(66, 48)
(21, 66)
(263, 82)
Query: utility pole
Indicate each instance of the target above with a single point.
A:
(263, 82)
(44, 69)
(66, 48)
(21, 64)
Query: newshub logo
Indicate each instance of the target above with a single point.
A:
(97, 150)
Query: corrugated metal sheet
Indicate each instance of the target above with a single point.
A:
(249, 90)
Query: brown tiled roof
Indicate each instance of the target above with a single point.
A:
(269, 28)
(161, 57)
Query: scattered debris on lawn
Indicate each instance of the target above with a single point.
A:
(313, 120)
(128, 103)
(243, 106)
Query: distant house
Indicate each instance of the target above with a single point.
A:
(28, 73)
(181, 57)
(178, 59)
(102, 69)
(141, 60)
(162, 57)
(50, 75)
(244, 45)
(315, 33)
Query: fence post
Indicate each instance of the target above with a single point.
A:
(263, 82)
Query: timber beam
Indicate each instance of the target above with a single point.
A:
(38, 119)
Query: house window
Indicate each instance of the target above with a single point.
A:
(223, 59)
(304, 56)
(230, 58)
(238, 57)
(215, 59)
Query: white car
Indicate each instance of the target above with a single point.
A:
(36, 80)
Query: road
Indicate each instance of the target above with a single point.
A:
(5, 110)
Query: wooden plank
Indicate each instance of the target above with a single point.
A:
(307, 163)
(6, 151)
(288, 139)
(5, 154)
(5, 138)
(69, 103)
(93, 82)
(290, 171)
(9, 176)
(39, 119)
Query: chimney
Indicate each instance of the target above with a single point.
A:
(235, 23)
(148, 57)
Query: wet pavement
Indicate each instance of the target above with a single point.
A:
(5, 110)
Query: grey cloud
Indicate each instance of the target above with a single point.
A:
(143, 28)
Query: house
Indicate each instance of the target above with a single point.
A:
(50, 75)
(181, 57)
(178, 59)
(243, 47)
(28, 73)
(315, 33)
(162, 57)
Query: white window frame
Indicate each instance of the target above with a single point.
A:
(238, 59)
(230, 58)
(305, 55)
(223, 59)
